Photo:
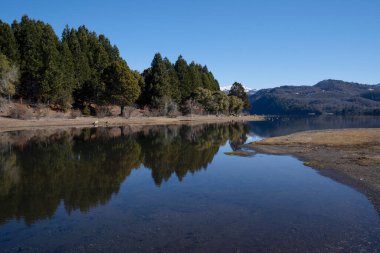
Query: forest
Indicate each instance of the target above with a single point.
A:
(83, 70)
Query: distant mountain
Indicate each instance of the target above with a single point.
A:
(326, 97)
(248, 90)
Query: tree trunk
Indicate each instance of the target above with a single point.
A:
(122, 112)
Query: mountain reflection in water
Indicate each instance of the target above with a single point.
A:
(85, 167)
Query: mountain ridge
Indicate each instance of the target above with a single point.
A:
(326, 97)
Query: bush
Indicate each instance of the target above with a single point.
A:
(86, 111)
(41, 111)
(130, 111)
(20, 111)
(103, 111)
(75, 114)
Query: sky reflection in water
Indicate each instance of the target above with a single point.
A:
(170, 189)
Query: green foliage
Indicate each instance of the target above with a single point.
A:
(54, 71)
(237, 90)
(174, 89)
(8, 77)
(42, 78)
(218, 101)
(182, 70)
(121, 85)
(8, 45)
(236, 105)
(193, 76)
(86, 111)
(166, 83)
(91, 55)
(158, 85)
(204, 97)
(83, 68)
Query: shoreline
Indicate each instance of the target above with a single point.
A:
(8, 124)
(348, 156)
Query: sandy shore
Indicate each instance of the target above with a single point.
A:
(7, 124)
(351, 156)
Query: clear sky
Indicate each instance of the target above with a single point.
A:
(261, 44)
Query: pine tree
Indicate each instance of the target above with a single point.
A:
(52, 79)
(68, 82)
(182, 69)
(80, 62)
(157, 91)
(122, 86)
(76, 68)
(27, 35)
(174, 82)
(91, 55)
(8, 45)
(39, 59)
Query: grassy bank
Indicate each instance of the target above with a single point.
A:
(351, 156)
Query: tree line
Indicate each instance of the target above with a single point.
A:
(83, 68)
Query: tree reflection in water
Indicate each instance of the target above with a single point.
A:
(84, 167)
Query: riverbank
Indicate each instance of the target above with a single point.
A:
(351, 156)
(8, 124)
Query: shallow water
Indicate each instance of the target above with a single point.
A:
(171, 189)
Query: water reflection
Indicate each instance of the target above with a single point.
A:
(278, 126)
(84, 168)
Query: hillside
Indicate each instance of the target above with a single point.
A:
(326, 97)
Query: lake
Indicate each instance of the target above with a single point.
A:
(172, 189)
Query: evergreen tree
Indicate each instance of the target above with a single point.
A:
(237, 90)
(182, 69)
(174, 90)
(8, 45)
(79, 57)
(67, 71)
(91, 55)
(195, 74)
(111, 51)
(76, 68)
(209, 82)
(52, 86)
(122, 87)
(38, 45)
(157, 91)
(28, 34)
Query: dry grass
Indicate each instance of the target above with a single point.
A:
(343, 137)
(7, 124)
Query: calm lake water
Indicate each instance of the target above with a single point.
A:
(172, 189)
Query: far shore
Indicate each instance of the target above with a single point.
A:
(8, 124)
(351, 156)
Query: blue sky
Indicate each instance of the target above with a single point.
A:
(261, 44)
